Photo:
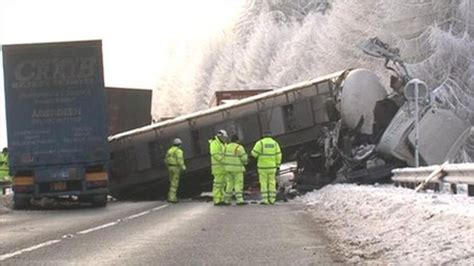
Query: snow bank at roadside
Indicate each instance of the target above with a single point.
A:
(385, 224)
(5, 203)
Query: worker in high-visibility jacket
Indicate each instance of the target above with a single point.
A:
(4, 175)
(175, 162)
(268, 154)
(235, 160)
(216, 150)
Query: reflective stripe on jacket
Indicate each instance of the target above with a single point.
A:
(235, 158)
(268, 153)
(175, 157)
(216, 150)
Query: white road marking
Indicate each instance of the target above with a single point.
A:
(167, 226)
(137, 215)
(159, 207)
(97, 228)
(145, 212)
(52, 242)
(120, 220)
(21, 251)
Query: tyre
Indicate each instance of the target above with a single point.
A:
(99, 200)
(21, 203)
(470, 190)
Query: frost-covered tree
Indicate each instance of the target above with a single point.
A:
(203, 76)
(277, 42)
(247, 55)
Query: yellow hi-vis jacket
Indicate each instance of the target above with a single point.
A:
(175, 157)
(268, 153)
(235, 158)
(3, 165)
(216, 150)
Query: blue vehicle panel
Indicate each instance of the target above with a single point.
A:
(55, 104)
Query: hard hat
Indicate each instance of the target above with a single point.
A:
(177, 141)
(222, 133)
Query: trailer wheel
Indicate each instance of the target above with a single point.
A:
(21, 203)
(99, 200)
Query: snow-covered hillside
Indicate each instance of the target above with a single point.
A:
(277, 42)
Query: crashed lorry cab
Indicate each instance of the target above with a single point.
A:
(389, 118)
(56, 121)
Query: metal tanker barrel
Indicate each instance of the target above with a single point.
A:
(361, 91)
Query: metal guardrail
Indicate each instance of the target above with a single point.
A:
(451, 173)
(454, 173)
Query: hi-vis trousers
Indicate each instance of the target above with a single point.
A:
(174, 172)
(234, 182)
(218, 187)
(267, 181)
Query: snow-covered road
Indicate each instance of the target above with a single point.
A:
(385, 224)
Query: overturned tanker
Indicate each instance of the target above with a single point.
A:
(343, 127)
(297, 115)
(307, 119)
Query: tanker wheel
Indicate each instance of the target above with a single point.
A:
(96, 200)
(21, 203)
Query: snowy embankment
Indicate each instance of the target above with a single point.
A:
(384, 224)
(5, 203)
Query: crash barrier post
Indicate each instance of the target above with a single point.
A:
(451, 173)
(4, 185)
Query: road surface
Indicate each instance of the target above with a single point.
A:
(157, 233)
